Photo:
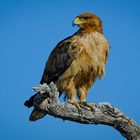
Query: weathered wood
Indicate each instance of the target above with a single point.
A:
(104, 113)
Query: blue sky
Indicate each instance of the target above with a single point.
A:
(29, 29)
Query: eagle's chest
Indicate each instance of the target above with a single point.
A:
(90, 61)
(86, 69)
(93, 48)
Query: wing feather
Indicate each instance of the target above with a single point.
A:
(60, 59)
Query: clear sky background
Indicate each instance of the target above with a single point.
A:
(29, 30)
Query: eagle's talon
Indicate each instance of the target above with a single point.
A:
(79, 111)
(89, 105)
(74, 102)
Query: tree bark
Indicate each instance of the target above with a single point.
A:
(47, 102)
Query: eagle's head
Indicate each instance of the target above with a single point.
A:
(88, 21)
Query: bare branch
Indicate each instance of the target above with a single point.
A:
(104, 113)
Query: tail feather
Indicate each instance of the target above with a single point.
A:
(37, 114)
(29, 103)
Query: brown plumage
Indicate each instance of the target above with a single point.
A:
(77, 61)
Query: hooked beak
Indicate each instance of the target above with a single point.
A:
(76, 22)
(73, 23)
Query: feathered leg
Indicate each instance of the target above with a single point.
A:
(70, 92)
(82, 94)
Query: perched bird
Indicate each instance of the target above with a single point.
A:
(77, 61)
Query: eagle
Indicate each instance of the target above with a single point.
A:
(77, 61)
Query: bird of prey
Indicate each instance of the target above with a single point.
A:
(77, 61)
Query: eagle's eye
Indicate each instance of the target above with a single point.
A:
(85, 18)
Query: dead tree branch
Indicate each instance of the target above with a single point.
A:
(47, 102)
